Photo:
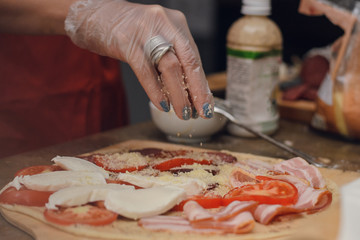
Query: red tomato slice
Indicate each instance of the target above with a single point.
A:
(25, 197)
(178, 162)
(32, 170)
(87, 214)
(266, 192)
(205, 202)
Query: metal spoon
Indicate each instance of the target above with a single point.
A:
(224, 108)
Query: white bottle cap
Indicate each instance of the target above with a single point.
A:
(256, 7)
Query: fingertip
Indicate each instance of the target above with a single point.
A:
(186, 113)
(208, 110)
(195, 113)
(165, 105)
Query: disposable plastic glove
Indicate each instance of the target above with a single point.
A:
(120, 29)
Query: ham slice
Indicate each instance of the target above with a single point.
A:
(172, 223)
(235, 208)
(309, 198)
(312, 200)
(196, 213)
(235, 218)
(255, 166)
(241, 223)
(239, 177)
(265, 213)
(300, 168)
(248, 170)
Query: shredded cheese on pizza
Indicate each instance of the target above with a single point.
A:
(124, 160)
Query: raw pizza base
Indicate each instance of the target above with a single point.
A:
(128, 229)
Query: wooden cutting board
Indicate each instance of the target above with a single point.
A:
(319, 226)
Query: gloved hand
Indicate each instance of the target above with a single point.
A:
(119, 29)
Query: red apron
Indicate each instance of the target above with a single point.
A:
(52, 91)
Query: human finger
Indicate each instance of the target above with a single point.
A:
(198, 87)
(150, 81)
(176, 89)
(189, 58)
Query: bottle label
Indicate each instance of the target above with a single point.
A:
(252, 54)
(251, 81)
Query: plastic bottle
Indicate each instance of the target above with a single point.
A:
(254, 45)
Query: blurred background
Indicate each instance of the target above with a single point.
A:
(209, 21)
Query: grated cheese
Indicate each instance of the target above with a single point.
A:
(124, 160)
(202, 175)
(221, 178)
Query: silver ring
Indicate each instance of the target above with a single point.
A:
(156, 47)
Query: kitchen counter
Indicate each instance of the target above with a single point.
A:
(299, 135)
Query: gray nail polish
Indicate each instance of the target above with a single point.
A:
(165, 106)
(194, 113)
(208, 112)
(186, 113)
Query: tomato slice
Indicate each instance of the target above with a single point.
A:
(87, 214)
(25, 197)
(204, 201)
(32, 170)
(178, 162)
(268, 191)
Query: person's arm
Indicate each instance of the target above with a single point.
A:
(33, 16)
